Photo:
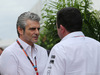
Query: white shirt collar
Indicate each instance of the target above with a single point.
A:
(73, 34)
(24, 44)
(27, 47)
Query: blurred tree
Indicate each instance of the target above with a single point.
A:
(97, 15)
(48, 36)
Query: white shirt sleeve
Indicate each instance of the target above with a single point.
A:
(8, 64)
(55, 64)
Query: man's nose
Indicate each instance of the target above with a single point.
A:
(37, 31)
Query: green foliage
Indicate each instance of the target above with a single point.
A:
(48, 36)
(97, 15)
(91, 25)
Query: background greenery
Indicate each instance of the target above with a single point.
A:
(91, 21)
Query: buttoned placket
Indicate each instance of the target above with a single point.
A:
(31, 51)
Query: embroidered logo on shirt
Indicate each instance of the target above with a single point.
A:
(52, 61)
(53, 56)
(50, 64)
(49, 67)
(48, 72)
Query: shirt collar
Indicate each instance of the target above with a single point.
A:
(25, 45)
(35, 48)
(73, 34)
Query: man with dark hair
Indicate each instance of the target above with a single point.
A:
(75, 54)
(24, 57)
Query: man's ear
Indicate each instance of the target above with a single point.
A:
(62, 28)
(20, 30)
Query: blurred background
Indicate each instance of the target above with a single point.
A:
(11, 9)
(9, 12)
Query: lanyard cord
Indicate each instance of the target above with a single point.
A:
(34, 66)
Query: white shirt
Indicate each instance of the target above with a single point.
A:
(75, 54)
(14, 61)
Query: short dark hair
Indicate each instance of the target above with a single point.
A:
(70, 18)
